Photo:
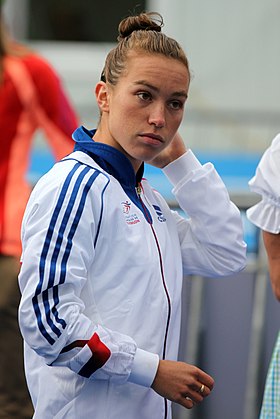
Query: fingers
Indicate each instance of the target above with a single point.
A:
(204, 390)
(187, 403)
(204, 379)
(190, 400)
(182, 383)
(196, 395)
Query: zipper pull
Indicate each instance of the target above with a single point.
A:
(138, 190)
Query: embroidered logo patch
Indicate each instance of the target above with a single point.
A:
(159, 213)
(126, 207)
(129, 218)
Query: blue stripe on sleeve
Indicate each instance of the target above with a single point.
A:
(101, 213)
(57, 249)
(70, 242)
(45, 251)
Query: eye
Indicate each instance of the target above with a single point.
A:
(145, 96)
(176, 104)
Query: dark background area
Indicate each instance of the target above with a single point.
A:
(84, 20)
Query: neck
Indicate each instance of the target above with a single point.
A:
(103, 135)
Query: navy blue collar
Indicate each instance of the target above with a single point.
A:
(109, 158)
(113, 162)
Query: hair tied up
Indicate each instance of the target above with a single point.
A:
(150, 21)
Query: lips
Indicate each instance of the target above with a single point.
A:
(152, 136)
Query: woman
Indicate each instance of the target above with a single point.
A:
(103, 255)
(266, 216)
(31, 98)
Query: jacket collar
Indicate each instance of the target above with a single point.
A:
(110, 159)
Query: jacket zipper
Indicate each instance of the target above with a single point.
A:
(138, 191)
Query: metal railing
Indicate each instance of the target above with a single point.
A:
(190, 347)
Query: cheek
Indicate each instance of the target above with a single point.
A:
(127, 121)
(175, 123)
(179, 117)
(120, 126)
(120, 112)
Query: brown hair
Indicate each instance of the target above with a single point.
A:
(141, 33)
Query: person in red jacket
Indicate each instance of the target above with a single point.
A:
(31, 98)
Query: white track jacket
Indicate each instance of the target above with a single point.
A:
(101, 278)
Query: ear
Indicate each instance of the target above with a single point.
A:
(102, 96)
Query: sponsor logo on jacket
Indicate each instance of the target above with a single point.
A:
(159, 213)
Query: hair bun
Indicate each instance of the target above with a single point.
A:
(150, 21)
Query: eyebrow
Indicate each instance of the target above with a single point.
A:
(156, 89)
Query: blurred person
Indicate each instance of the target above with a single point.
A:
(31, 98)
(266, 215)
(104, 256)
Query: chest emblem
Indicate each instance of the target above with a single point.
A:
(126, 205)
(130, 218)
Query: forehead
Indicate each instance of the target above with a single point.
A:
(156, 68)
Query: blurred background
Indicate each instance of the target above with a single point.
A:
(230, 324)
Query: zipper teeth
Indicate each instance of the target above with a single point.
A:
(146, 212)
(166, 293)
(165, 409)
(169, 312)
(138, 191)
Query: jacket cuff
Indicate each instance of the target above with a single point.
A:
(181, 167)
(144, 368)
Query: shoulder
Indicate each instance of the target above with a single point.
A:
(269, 165)
(71, 186)
(72, 174)
(38, 66)
(275, 150)
(272, 153)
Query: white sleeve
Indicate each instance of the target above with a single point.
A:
(58, 248)
(212, 236)
(266, 182)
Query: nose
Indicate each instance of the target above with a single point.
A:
(157, 116)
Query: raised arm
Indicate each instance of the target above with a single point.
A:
(212, 235)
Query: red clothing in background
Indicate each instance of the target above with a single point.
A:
(31, 98)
